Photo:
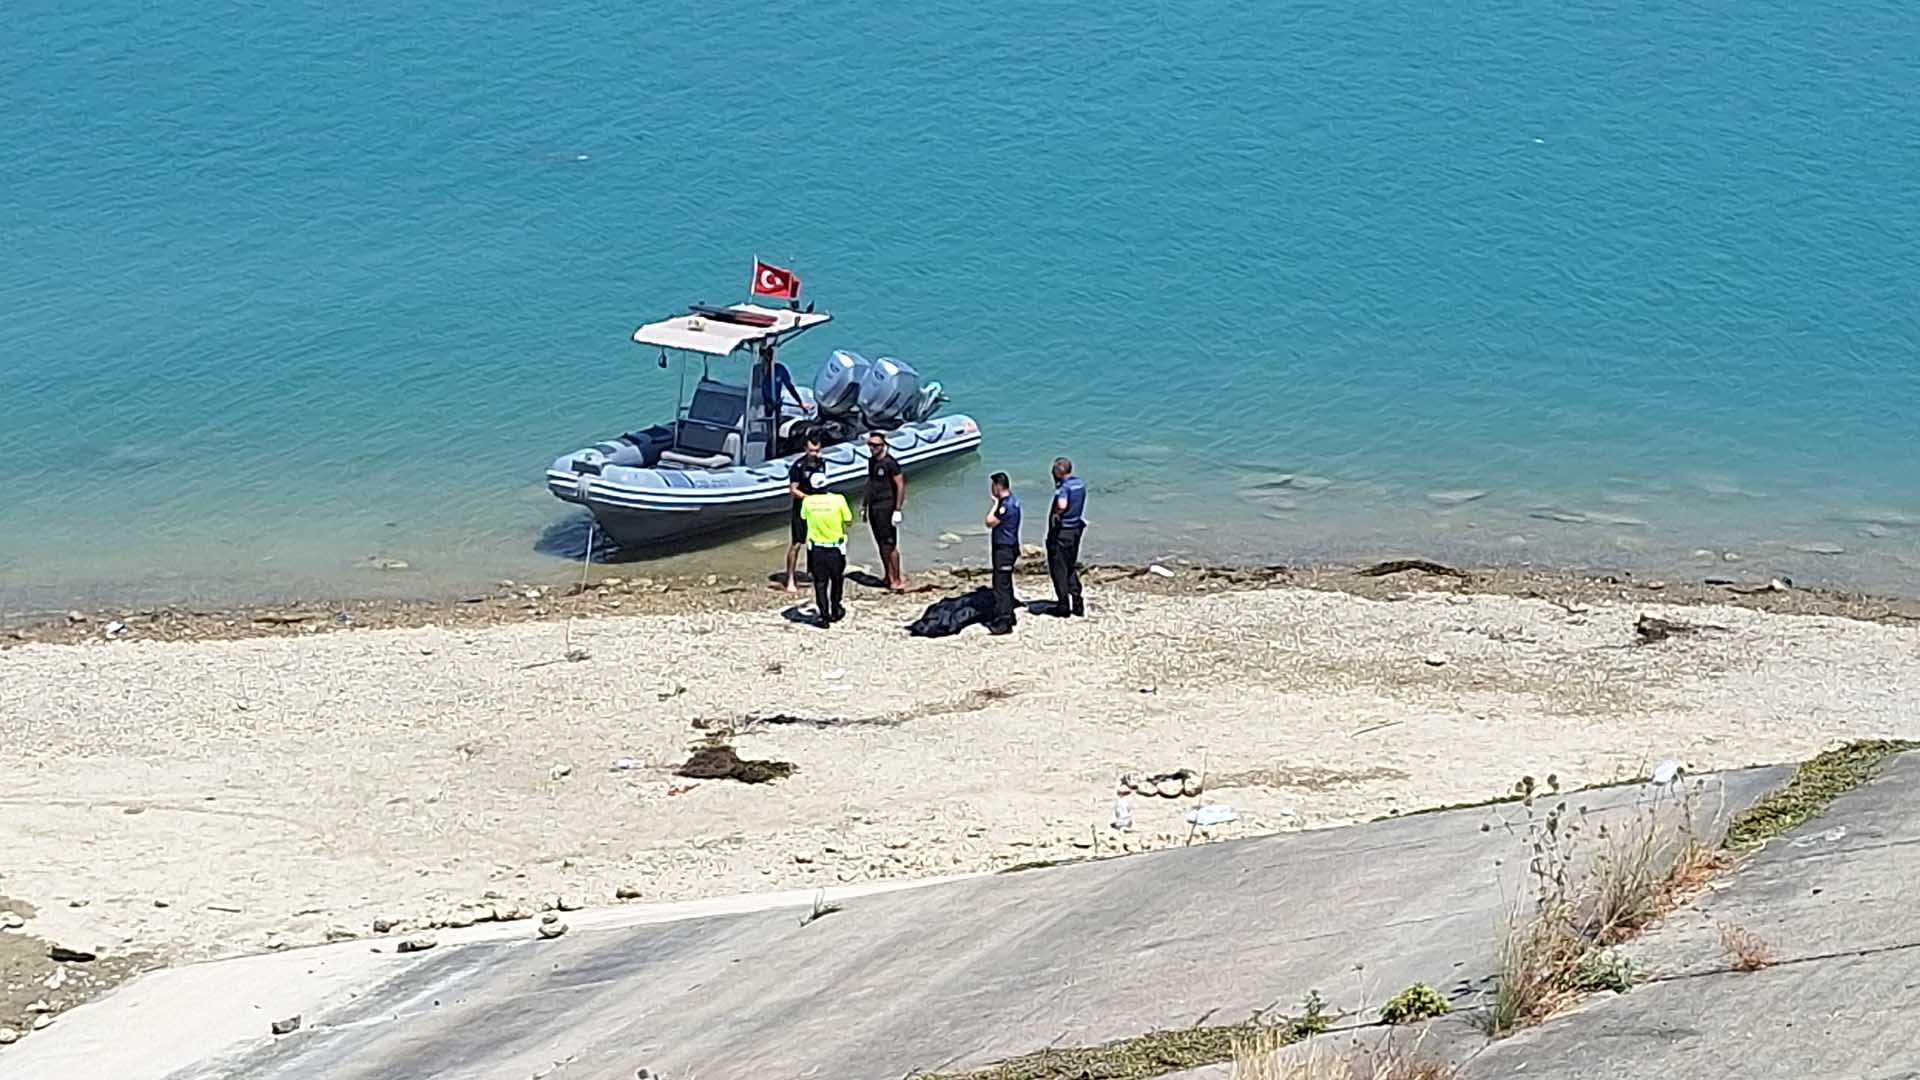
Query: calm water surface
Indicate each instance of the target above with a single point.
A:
(288, 286)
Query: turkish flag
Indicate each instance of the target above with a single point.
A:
(771, 280)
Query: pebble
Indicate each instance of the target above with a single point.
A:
(286, 1027)
(568, 903)
(161, 903)
(11, 921)
(1435, 660)
(551, 927)
(1032, 551)
(949, 538)
(383, 926)
(42, 1023)
(1729, 556)
(340, 933)
(1159, 571)
(418, 944)
(66, 955)
(560, 772)
(8, 1036)
(76, 617)
(627, 892)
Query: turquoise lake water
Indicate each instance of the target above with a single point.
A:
(288, 286)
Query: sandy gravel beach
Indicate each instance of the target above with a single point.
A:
(196, 799)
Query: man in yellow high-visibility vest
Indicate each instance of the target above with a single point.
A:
(826, 514)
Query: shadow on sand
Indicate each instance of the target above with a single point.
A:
(567, 539)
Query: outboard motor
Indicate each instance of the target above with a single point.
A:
(932, 396)
(890, 389)
(836, 389)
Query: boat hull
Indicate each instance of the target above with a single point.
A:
(638, 508)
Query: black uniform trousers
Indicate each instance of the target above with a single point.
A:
(1063, 565)
(827, 566)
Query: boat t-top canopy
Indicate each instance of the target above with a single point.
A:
(717, 331)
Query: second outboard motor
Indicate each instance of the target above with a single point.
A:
(891, 388)
(928, 402)
(836, 389)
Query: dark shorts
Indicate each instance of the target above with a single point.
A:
(885, 533)
(797, 529)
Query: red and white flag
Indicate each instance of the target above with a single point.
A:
(771, 280)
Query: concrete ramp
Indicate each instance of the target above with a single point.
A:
(948, 976)
(1837, 903)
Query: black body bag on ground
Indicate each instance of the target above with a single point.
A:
(954, 614)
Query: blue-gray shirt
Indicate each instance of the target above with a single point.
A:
(1075, 492)
(1007, 533)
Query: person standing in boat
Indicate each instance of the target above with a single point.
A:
(775, 381)
(826, 514)
(1065, 525)
(885, 506)
(1003, 518)
(800, 485)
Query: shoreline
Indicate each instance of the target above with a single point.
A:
(617, 589)
(216, 783)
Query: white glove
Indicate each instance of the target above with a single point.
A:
(897, 517)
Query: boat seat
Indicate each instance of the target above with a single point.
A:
(709, 438)
(701, 447)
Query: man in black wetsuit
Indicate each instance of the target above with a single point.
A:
(798, 475)
(885, 504)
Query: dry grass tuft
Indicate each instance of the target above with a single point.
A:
(1412, 1068)
(1746, 950)
(1539, 959)
(1643, 869)
(1162, 1052)
(1267, 1055)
